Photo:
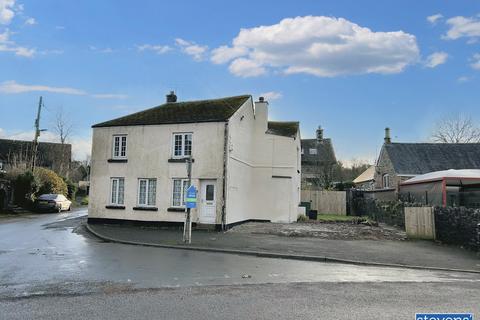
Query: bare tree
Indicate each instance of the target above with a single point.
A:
(62, 126)
(457, 129)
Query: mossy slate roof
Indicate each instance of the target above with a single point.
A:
(214, 110)
(421, 158)
(283, 128)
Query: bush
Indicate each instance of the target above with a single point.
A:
(25, 187)
(84, 201)
(49, 182)
(72, 188)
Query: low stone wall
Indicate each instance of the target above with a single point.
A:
(458, 226)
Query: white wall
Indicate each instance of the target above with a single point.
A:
(254, 159)
(148, 151)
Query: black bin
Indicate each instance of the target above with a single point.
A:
(313, 214)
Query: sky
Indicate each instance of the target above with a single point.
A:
(353, 67)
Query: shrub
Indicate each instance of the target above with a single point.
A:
(84, 201)
(302, 218)
(25, 187)
(72, 188)
(49, 182)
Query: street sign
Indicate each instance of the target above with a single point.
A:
(191, 198)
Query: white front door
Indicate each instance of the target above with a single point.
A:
(208, 201)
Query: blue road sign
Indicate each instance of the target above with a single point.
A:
(191, 198)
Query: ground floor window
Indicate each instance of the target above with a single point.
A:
(147, 190)
(117, 187)
(179, 189)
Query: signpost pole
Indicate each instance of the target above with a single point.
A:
(187, 227)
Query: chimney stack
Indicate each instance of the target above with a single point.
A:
(387, 138)
(320, 134)
(171, 97)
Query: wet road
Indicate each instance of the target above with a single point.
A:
(42, 254)
(49, 269)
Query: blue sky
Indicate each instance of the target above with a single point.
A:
(353, 67)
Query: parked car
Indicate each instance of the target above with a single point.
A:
(53, 202)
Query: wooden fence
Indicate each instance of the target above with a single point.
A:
(326, 202)
(420, 222)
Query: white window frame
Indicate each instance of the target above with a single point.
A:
(119, 155)
(302, 152)
(313, 151)
(1, 165)
(386, 181)
(117, 191)
(182, 146)
(148, 186)
(184, 184)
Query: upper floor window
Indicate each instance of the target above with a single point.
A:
(117, 187)
(1, 165)
(313, 151)
(302, 151)
(147, 191)
(119, 146)
(182, 145)
(386, 180)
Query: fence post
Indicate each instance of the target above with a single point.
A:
(478, 237)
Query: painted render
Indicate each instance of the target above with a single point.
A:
(262, 170)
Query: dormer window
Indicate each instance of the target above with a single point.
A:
(182, 145)
(119, 146)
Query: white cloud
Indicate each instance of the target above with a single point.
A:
(317, 45)
(476, 61)
(12, 87)
(60, 27)
(463, 27)
(81, 146)
(158, 49)
(6, 45)
(110, 96)
(30, 21)
(463, 79)
(243, 67)
(271, 95)
(7, 11)
(436, 59)
(224, 54)
(101, 50)
(192, 49)
(434, 18)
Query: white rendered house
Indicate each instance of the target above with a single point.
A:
(244, 166)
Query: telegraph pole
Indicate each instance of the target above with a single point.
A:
(187, 227)
(37, 134)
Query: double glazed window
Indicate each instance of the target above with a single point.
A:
(179, 189)
(182, 145)
(117, 189)
(147, 191)
(119, 146)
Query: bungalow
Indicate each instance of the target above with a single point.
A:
(244, 166)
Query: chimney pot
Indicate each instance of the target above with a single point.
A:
(261, 99)
(171, 97)
(320, 134)
(387, 138)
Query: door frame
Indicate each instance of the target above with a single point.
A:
(203, 184)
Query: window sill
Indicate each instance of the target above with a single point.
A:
(118, 160)
(146, 208)
(176, 209)
(115, 207)
(179, 160)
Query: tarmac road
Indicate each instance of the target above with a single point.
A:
(49, 271)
